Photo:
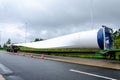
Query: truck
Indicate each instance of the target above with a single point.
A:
(12, 48)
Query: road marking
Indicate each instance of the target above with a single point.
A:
(5, 70)
(90, 74)
(14, 78)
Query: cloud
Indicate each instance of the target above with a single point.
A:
(52, 18)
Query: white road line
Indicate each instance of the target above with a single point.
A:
(90, 74)
(5, 70)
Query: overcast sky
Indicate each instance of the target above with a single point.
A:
(51, 18)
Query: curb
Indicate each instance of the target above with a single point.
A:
(75, 62)
(95, 63)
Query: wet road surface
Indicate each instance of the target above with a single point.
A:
(14, 67)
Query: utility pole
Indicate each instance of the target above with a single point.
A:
(25, 32)
(91, 14)
(0, 38)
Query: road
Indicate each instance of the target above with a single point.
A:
(14, 67)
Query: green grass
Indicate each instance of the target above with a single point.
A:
(79, 53)
(117, 55)
(93, 56)
(1, 48)
(66, 52)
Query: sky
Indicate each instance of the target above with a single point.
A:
(25, 20)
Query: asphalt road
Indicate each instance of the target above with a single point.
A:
(14, 67)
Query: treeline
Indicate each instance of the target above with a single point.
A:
(117, 39)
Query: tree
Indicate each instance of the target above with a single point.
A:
(117, 34)
(116, 43)
(9, 41)
(37, 39)
(41, 39)
(117, 38)
(5, 46)
(0, 46)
